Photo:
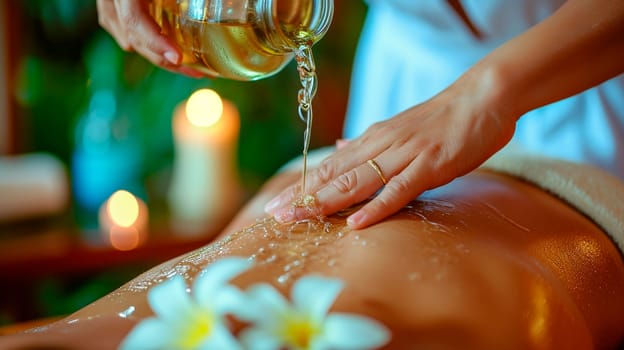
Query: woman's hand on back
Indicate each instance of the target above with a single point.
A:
(419, 149)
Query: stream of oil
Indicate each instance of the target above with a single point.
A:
(307, 76)
(289, 245)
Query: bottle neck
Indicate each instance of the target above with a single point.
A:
(288, 25)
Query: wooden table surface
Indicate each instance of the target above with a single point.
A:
(37, 251)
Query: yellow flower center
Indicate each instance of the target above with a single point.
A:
(299, 332)
(196, 331)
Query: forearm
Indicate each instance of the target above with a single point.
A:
(578, 47)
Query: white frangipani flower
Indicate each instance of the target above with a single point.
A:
(306, 323)
(193, 320)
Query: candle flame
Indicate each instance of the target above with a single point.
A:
(204, 107)
(123, 208)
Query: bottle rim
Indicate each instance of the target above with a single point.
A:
(279, 39)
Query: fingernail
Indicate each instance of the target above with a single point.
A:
(171, 56)
(355, 221)
(285, 215)
(270, 207)
(323, 195)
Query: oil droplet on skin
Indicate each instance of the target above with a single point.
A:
(414, 276)
(441, 246)
(285, 244)
(127, 312)
(308, 200)
(283, 278)
(294, 246)
(307, 204)
(290, 247)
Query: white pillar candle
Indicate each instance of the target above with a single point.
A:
(123, 220)
(205, 188)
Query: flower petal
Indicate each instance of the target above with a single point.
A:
(216, 275)
(170, 301)
(314, 295)
(258, 339)
(151, 333)
(267, 306)
(348, 331)
(320, 343)
(231, 300)
(221, 339)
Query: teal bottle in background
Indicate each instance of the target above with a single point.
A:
(107, 153)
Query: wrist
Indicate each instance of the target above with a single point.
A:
(487, 86)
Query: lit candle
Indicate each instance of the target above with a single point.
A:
(123, 220)
(205, 188)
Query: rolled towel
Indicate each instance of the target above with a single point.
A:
(32, 185)
(591, 190)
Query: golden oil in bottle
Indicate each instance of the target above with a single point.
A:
(241, 40)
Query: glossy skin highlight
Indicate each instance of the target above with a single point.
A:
(485, 262)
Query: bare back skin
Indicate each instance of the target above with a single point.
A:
(485, 262)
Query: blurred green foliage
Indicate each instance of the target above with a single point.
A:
(54, 297)
(66, 55)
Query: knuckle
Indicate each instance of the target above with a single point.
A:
(399, 185)
(103, 20)
(380, 204)
(435, 155)
(133, 39)
(346, 183)
(375, 127)
(436, 151)
(439, 158)
(128, 19)
(326, 171)
(378, 129)
(126, 46)
(131, 23)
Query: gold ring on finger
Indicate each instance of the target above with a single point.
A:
(377, 169)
